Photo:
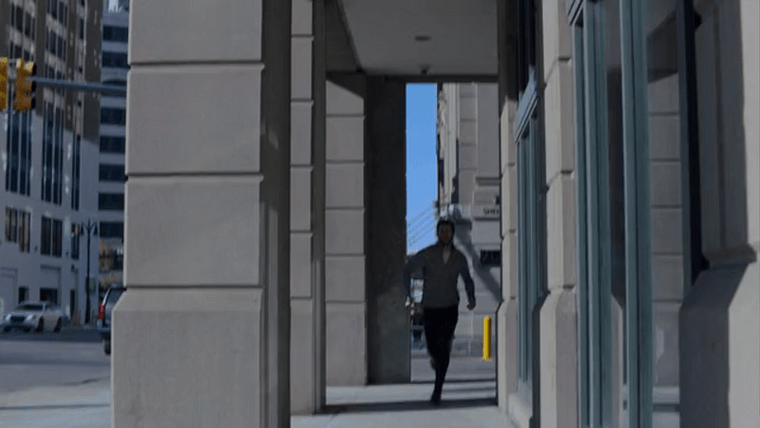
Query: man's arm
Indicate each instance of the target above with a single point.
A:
(469, 284)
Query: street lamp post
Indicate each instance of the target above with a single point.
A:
(91, 227)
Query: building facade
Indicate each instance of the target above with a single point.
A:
(111, 177)
(630, 163)
(48, 155)
(629, 176)
(468, 194)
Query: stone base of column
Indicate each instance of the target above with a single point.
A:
(559, 359)
(506, 351)
(720, 349)
(303, 368)
(346, 344)
(520, 412)
(187, 357)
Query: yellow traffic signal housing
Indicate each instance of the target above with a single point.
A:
(3, 83)
(24, 86)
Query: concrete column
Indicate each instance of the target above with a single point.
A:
(559, 312)
(667, 236)
(506, 315)
(201, 337)
(720, 317)
(507, 350)
(388, 328)
(345, 232)
(307, 207)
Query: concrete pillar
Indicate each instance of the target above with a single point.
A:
(720, 317)
(559, 312)
(667, 237)
(388, 328)
(201, 337)
(506, 314)
(307, 207)
(345, 232)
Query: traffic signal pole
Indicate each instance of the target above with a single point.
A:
(30, 81)
(80, 86)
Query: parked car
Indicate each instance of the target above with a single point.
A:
(104, 314)
(37, 316)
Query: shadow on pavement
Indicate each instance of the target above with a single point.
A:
(86, 335)
(449, 381)
(53, 407)
(402, 406)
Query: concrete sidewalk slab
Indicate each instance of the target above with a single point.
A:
(469, 401)
(470, 404)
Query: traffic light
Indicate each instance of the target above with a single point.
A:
(24, 86)
(3, 83)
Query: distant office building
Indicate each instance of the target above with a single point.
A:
(113, 115)
(49, 155)
(468, 193)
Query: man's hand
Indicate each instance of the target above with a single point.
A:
(471, 305)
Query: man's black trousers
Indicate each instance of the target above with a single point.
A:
(439, 330)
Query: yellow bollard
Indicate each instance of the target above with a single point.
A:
(487, 339)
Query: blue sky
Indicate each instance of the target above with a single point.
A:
(420, 163)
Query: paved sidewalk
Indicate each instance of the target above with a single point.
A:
(469, 401)
(466, 404)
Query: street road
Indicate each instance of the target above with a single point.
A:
(54, 380)
(30, 360)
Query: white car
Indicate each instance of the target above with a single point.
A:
(37, 316)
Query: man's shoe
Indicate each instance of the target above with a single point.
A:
(436, 398)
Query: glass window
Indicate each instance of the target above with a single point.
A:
(531, 184)
(24, 227)
(110, 229)
(112, 145)
(115, 34)
(76, 234)
(19, 19)
(13, 153)
(113, 116)
(490, 258)
(112, 172)
(23, 293)
(115, 60)
(11, 221)
(111, 201)
(61, 47)
(57, 238)
(76, 164)
(27, 24)
(58, 159)
(45, 241)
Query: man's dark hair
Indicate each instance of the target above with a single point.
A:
(443, 222)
